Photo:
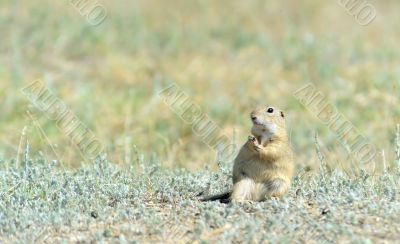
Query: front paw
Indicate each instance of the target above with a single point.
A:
(253, 143)
(253, 139)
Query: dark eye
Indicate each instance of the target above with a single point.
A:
(270, 110)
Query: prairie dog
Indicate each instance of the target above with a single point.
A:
(264, 165)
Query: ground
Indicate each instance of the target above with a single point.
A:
(102, 202)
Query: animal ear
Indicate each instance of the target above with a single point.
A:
(282, 115)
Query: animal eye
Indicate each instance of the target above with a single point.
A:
(270, 110)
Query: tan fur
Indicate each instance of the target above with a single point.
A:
(264, 165)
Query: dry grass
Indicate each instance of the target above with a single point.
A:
(227, 55)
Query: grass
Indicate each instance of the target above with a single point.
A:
(227, 56)
(146, 203)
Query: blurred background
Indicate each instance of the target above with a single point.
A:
(226, 55)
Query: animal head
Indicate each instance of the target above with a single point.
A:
(267, 120)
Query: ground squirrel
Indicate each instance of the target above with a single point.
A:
(264, 165)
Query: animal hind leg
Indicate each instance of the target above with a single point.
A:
(243, 190)
(274, 188)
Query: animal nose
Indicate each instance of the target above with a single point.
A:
(253, 117)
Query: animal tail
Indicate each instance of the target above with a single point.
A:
(222, 198)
